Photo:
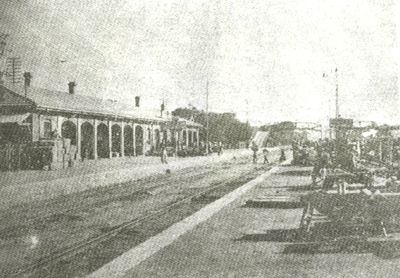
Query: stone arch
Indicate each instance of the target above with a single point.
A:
(68, 130)
(103, 148)
(139, 140)
(128, 140)
(87, 140)
(116, 139)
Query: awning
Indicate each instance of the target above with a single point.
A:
(17, 118)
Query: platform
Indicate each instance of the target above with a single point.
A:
(243, 241)
(30, 186)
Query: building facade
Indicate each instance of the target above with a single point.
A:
(88, 128)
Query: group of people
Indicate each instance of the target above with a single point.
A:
(254, 148)
(342, 157)
(218, 147)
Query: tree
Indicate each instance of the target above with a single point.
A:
(223, 127)
(280, 133)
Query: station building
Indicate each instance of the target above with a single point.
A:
(94, 128)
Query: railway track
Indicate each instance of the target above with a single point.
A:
(81, 206)
(74, 249)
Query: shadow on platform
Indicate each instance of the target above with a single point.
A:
(277, 204)
(324, 242)
(300, 173)
(381, 249)
(277, 235)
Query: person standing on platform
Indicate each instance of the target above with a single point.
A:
(283, 156)
(265, 153)
(219, 148)
(164, 154)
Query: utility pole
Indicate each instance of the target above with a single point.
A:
(338, 149)
(337, 111)
(247, 122)
(3, 45)
(14, 69)
(337, 93)
(207, 123)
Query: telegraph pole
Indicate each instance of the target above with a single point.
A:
(337, 111)
(247, 122)
(207, 123)
(3, 45)
(337, 93)
(13, 70)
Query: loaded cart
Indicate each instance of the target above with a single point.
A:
(358, 219)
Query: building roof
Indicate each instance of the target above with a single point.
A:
(189, 122)
(15, 118)
(75, 103)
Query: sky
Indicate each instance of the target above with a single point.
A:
(263, 60)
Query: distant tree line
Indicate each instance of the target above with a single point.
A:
(283, 133)
(223, 127)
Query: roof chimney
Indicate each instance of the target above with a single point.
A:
(162, 108)
(27, 81)
(71, 87)
(137, 101)
(27, 78)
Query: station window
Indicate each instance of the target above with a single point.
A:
(47, 129)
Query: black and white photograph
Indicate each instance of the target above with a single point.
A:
(199, 138)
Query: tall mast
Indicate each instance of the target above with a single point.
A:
(207, 118)
(337, 93)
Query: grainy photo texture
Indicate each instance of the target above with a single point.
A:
(199, 138)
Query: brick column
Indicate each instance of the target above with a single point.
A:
(177, 138)
(134, 138)
(181, 142)
(187, 138)
(35, 127)
(78, 139)
(152, 138)
(59, 125)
